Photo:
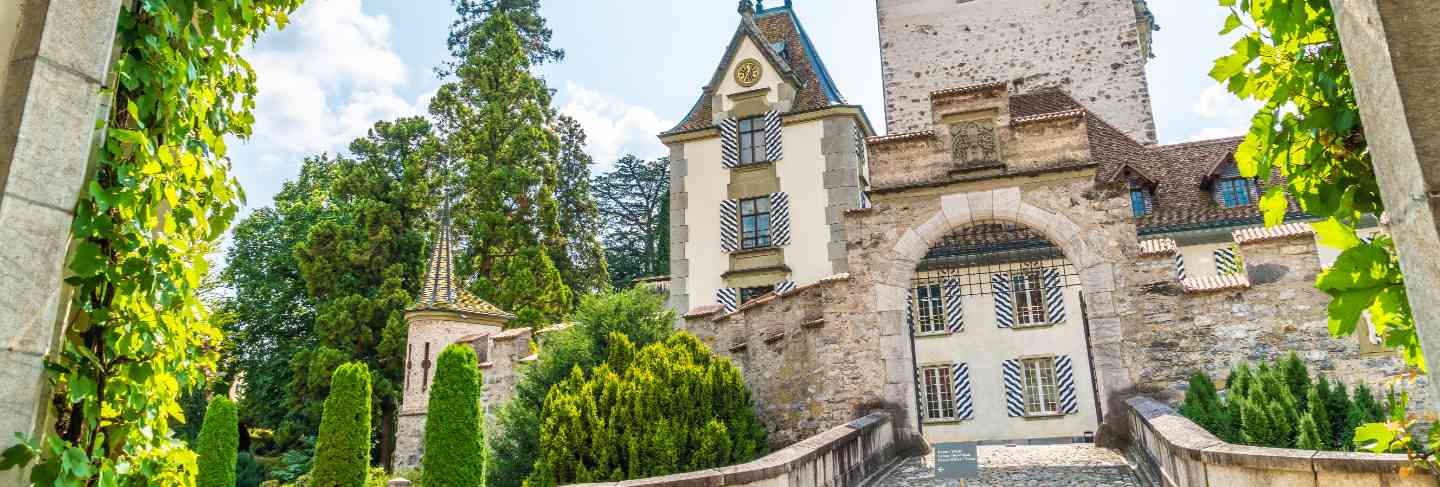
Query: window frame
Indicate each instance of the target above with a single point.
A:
(1239, 189)
(937, 395)
(758, 238)
(1142, 199)
(1027, 295)
(751, 141)
(1041, 398)
(929, 311)
(754, 292)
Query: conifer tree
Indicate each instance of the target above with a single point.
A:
(1238, 382)
(1319, 413)
(1202, 404)
(1339, 407)
(219, 438)
(454, 429)
(1309, 436)
(534, 34)
(1367, 405)
(1297, 377)
(342, 455)
(580, 256)
(495, 120)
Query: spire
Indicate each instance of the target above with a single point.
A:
(440, 290)
(746, 9)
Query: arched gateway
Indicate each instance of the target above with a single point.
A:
(1008, 311)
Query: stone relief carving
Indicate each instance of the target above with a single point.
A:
(974, 141)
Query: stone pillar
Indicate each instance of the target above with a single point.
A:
(1391, 48)
(49, 102)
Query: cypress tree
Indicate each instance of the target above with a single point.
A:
(1297, 377)
(1339, 409)
(1309, 437)
(219, 438)
(1202, 402)
(1239, 380)
(342, 456)
(1369, 407)
(454, 429)
(1319, 416)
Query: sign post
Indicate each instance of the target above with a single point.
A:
(956, 462)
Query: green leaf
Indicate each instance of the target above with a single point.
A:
(87, 260)
(1345, 309)
(1274, 205)
(18, 455)
(1231, 23)
(1375, 437)
(1336, 235)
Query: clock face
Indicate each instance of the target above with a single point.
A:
(747, 73)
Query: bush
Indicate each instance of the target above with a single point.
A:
(454, 432)
(296, 462)
(675, 407)
(249, 472)
(1309, 437)
(342, 456)
(217, 443)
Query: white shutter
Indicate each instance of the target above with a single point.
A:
(954, 312)
(1014, 389)
(1225, 262)
(729, 143)
(1054, 296)
(729, 225)
(1065, 383)
(960, 390)
(773, 149)
(728, 297)
(779, 219)
(1004, 309)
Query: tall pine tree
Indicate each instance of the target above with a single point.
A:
(495, 120)
(581, 258)
(525, 14)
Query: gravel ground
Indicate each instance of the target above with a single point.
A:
(1027, 466)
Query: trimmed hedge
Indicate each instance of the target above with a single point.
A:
(454, 432)
(342, 457)
(216, 445)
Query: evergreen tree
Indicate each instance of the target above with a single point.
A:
(217, 444)
(1297, 377)
(1202, 404)
(634, 200)
(1339, 408)
(534, 34)
(1309, 436)
(454, 427)
(495, 119)
(1319, 414)
(1367, 405)
(1239, 380)
(342, 456)
(580, 258)
(676, 407)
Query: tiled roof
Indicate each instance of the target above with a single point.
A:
(1266, 234)
(1157, 246)
(799, 62)
(1215, 283)
(440, 290)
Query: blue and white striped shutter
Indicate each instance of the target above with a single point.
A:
(1004, 309)
(729, 225)
(1065, 382)
(960, 388)
(1014, 389)
(954, 313)
(729, 143)
(773, 145)
(1054, 296)
(910, 310)
(1225, 263)
(779, 219)
(1179, 266)
(785, 287)
(728, 297)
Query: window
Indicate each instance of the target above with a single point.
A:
(935, 391)
(1041, 396)
(1027, 293)
(929, 309)
(752, 141)
(1233, 192)
(755, 223)
(749, 293)
(1141, 200)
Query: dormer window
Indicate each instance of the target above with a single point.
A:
(752, 141)
(1233, 191)
(1142, 199)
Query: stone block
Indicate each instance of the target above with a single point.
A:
(981, 205)
(934, 228)
(911, 247)
(50, 154)
(957, 209)
(22, 378)
(890, 298)
(1006, 203)
(31, 267)
(78, 35)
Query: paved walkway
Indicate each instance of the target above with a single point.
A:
(1027, 466)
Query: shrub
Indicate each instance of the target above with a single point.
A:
(1297, 377)
(248, 470)
(342, 456)
(1202, 405)
(1338, 408)
(1319, 415)
(1309, 437)
(296, 462)
(454, 432)
(217, 443)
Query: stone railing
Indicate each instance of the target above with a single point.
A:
(843, 456)
(1182, 454)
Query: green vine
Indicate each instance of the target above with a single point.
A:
(138, 334)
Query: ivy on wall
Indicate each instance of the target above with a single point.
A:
(138, 334)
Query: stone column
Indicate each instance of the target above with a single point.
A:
(49, 102)
(1393, 52)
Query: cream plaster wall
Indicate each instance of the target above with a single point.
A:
(984, 347)
(1200, 258)
(802, 178)
(705, 184)
(769, 78)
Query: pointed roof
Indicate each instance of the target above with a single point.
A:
(782, 40)
(440, 290)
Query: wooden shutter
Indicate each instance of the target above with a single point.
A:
(729, 225)
(785, 287)
(1179, 266)
(960, 390)
(1004, 309)
(1054, 296)
(773, 149)
(1225, 262)
(910, 310)
(954, 313)
(729, 143)
(728, 297)
(779, 219)
(1014, 389)
(1065, 384)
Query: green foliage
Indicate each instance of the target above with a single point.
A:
(495, 119)
(533, 33)
(1319, 414)
(1309, 131)
(637, 313)
(675, 408)
(454, 426)
(580, 258)
(1297, 378)
(1202, 405)
(342, 456)
(296, 462)
(248, 471)
(1338, 408)
(634, 199)
(1309, 435)
(139, 335)
(217, 444)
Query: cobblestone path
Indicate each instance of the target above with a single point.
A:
(1027, 466)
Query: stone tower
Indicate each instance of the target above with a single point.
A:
(1095, 50)
(446, 314)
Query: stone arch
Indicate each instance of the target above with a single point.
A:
(1097, 278)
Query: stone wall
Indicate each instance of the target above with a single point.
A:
(1179, 453)
(1091, 49)
(843, 456)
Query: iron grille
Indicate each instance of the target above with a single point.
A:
(972, 254)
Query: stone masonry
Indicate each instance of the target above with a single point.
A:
(1093, 49)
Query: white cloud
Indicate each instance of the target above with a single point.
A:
(1225, 114)
(1217, 133)
(613, 127)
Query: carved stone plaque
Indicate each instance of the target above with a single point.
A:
(974, 141)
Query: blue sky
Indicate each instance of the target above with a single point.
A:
(632, 68)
